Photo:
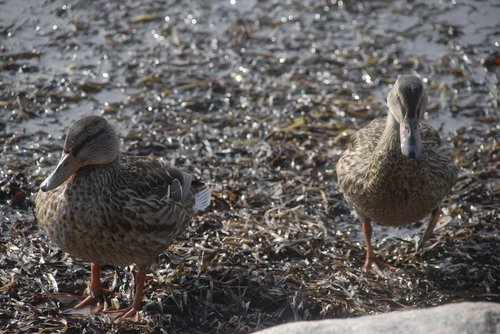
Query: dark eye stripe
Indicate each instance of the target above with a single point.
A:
(87, 140)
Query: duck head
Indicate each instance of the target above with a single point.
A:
(407, 102)
(90, 141)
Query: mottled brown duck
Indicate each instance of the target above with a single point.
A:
(396, 170)
(112, 209)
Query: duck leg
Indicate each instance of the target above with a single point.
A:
(97, 292)
(371, 261)
(132, 310)
(430, 228)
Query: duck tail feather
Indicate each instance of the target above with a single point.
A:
(202, 198)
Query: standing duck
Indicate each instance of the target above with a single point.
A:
(396, 170)
(112, 209)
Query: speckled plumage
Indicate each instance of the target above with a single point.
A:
(116, 214)
(112, 209)
(396, 170)
(385, 186)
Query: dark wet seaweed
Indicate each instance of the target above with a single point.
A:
(259, 98)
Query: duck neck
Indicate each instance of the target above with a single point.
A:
(103, 176)
(390, 140)
(380, 169)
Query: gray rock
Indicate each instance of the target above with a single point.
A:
(456, 318)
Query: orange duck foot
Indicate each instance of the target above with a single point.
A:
(83, 304)
(86, 304)
(372, 263)
(130, 312)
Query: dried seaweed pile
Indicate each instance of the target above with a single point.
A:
(260, 101)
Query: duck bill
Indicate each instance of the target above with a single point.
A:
(64, 169)
(411, 142)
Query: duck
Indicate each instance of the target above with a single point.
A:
(396, 170)
(114, 209)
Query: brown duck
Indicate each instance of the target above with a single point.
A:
(112, 209)
(396, 170)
